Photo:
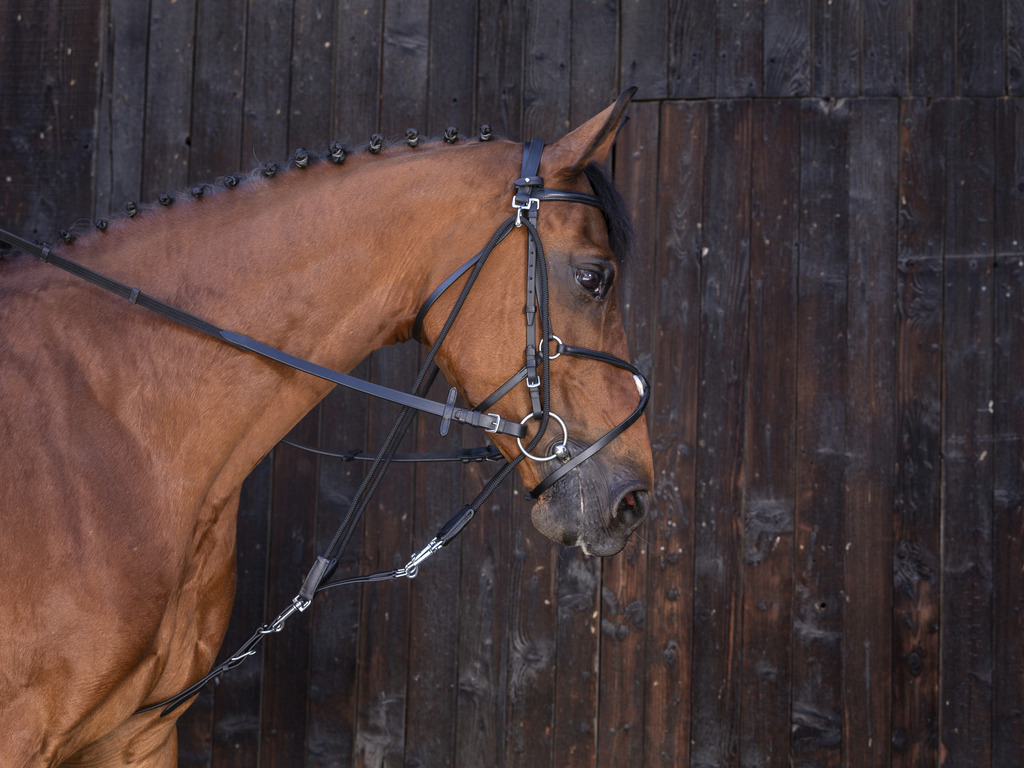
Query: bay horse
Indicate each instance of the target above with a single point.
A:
(125, 436)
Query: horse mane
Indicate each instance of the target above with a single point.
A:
(621, 232)
(336, 153)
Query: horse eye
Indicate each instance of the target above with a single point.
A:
(590, 280)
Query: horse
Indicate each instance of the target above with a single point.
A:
(127, 433)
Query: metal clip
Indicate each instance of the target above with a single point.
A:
(412, 568)
(520, 207)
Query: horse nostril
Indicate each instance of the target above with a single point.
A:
(632, 507)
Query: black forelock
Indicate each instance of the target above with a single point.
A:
(621, 234)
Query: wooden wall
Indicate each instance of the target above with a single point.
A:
(830, 304)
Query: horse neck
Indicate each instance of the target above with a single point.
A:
(325, 264)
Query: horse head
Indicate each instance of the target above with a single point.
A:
(586, 454)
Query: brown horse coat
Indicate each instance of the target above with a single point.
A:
(124, 438)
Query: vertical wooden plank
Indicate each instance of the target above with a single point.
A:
(770, 441)
(740, 61)
(484, 586)
(821, 434)
(966, 637)
(531, 635)
(593, 57)
(577, 661)
(218, 90)
(1008, 420)
(404, 69)
(453, 33)
(933, 48)
(787, 48)
(501, 42)
(674, 407)
(122, 104)
(981, 48)
(717, 589)
(547, 77)
(267, 68)
(624, 609)
(236, 712)
(644, 42)
(48, 124)
(871, 443)
(357, 48)
(916, 539)
(169, 69)
(885, 47)
(292, 551)
(835, 40)
(312, 74)
(1015, 47)
(691, 48)
(334, 637)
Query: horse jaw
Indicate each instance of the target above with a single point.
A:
(596, 507)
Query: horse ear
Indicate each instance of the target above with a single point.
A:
(591, 142)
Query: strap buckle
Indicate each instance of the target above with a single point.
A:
(522, 203)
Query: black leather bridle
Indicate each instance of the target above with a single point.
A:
(536, 373)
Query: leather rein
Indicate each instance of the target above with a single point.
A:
(530, 192)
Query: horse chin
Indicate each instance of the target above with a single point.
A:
(595, 507)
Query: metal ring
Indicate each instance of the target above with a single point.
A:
(565, 438)
(558, 346)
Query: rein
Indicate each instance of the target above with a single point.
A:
(530, 192)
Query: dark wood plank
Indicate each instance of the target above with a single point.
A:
(871, 443)
(916, 584)
(484, 582)
(669, 531)
(770, 440)
(593, 64)
(966, 638)
(933, 48)
(644, 47)
(357, 44)
(624, 611)
(787, 48)
(501, 42)
(577, 660)
(168, 115)
(1008, 419)
(547, 57)
(236, 712)
(820, 434)
(1015, 47)
(981, 48)
(835, 48)
(453, 33)
(404, 70)
(740, 60)
(885, 47)
(717, 589)
(122, 101)
(267, 82)
(532, 636)
(217, 91)
(312, 74)
(691, 48)
(334, 636)
(48, 124)
(291, 552)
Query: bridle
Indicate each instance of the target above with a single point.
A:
(535, 374)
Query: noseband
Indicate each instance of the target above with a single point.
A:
(536, 374)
